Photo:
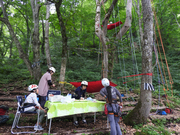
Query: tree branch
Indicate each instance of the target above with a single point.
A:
(176, 20)
(127, 23)
(107, 16)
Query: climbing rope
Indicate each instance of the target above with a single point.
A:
(169, 74)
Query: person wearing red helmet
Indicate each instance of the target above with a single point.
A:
(44, 84)
(32, 98)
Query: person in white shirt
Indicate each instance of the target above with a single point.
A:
(32, 98)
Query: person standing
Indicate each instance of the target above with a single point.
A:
(44, 84)
(111, 93)
(80, 94)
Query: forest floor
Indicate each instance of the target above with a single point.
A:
(64, 125)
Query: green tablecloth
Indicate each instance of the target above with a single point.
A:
(58, 109)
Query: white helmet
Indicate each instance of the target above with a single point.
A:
(52, 69)
(84, 83)
(32, 87)
(105, 82)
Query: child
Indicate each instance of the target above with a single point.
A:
(111, 93)
(80, 94)
(32, 98)
(3, 117)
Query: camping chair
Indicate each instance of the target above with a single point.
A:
(20, 110)
(54, 92)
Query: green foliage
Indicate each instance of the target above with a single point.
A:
(160, 122)
(151, 130)
(11, 119)
(83, 44)
(10, 73)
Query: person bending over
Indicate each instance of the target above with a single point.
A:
(80, 94)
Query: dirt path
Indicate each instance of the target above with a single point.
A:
(64, 125)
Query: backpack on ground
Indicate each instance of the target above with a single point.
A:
(160, 112)
(168, 110)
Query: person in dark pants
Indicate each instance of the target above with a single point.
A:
(44, 84)
(111, 93)
(80, 94)
(3, 117)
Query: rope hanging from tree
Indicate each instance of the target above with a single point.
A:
(169, 74)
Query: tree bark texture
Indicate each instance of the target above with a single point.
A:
(48, 56)
(36, 45)
(102, 33)
(43, 38)
(64, 45)
(127, 23)
(142, 110)
(22, 55)
(109, 56)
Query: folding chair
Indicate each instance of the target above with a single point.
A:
(54, 92)
(20, 110)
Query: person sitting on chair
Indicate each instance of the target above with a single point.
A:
(3, 117)
(80, 94)
(32, 98)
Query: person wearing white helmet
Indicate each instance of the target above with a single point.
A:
(80, 94)
(44, 84)
(110, 93)
(32, 98)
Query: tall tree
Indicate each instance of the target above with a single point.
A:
(22, 55)
(48, 56)
(142, 110)
(102, 33)
(35, 5)
(35, 69)
(64, 43)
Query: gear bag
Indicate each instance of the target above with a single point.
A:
(168, 110)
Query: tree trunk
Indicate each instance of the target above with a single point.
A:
(102, 33)
(43, 38)
(142, 110)
(64, 47)
(108, 70)
(48, 56)
(127, 23)
(22, 55)
(36, 45)
(111, 60)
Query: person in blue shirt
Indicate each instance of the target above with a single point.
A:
(80, 94)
